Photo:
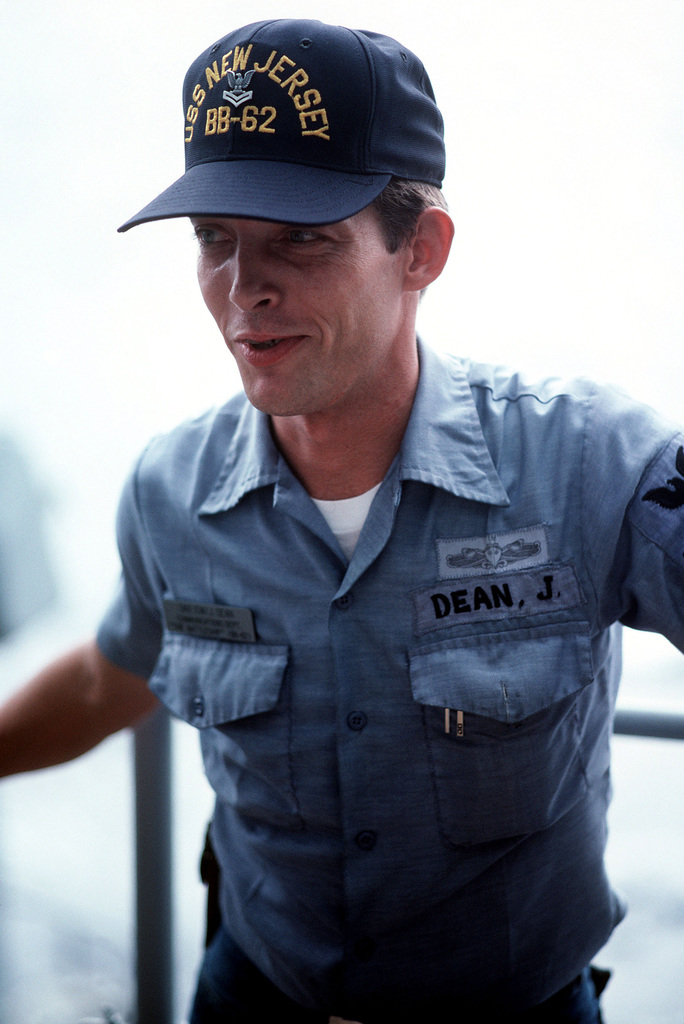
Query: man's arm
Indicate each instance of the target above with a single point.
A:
(68, 708)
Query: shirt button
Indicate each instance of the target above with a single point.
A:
(344, 602)
(364, 948)
(366, 840)
(197, 706)
(357, 721)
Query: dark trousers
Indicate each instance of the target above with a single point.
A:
(231, 990)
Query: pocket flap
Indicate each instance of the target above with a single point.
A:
(208, 682)
(506, 675)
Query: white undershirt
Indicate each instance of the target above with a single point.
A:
(346, 517)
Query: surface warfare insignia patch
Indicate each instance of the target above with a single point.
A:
(496, 553)
(658, 509)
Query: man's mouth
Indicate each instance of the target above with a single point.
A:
(259, 345)
(262, 351)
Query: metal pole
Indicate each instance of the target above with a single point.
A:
(154, 924)
(664, 725)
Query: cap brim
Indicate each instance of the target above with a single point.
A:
(264, 190)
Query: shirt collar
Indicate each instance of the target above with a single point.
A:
(252, 461)
(443, 445)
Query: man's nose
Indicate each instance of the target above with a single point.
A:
(252, 283)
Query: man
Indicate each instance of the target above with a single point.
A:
(385, 586)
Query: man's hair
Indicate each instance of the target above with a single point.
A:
(399, 206)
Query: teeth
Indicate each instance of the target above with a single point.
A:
(265, 344)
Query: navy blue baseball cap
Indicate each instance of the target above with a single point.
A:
(301, 122)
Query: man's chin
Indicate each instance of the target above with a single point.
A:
(271, 405)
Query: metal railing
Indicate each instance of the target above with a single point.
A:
(662, 725)
(154, 848)
(154, 881)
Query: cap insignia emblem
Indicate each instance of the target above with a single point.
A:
(238, 92)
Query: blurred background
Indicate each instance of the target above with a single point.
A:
(565, 168)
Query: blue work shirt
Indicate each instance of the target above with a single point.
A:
(410, 751)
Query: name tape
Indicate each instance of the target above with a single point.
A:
(530, 592)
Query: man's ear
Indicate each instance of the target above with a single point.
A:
(429, 248)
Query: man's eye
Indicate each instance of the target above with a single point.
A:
(205, 236)
(301, 235)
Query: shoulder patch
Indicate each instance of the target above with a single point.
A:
(658, 507)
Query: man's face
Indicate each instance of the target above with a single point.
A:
(317, 318)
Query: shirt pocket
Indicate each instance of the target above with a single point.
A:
(235, 694)
(502, 728)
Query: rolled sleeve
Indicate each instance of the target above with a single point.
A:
(633, 515)
(655, 521)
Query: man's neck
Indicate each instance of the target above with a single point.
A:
(342, 456)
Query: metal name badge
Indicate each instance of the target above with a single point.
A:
(210, 621)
